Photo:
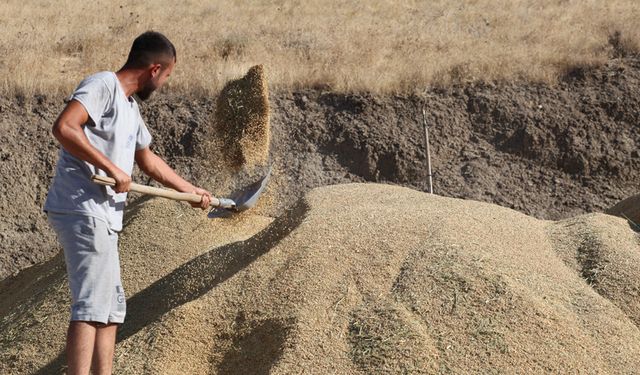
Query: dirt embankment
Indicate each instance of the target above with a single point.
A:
(551, 152)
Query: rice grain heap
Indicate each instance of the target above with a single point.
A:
(242, 120)
(402, 282)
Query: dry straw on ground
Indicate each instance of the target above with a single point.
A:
(378, 45)
(398, 282)
(241, 118)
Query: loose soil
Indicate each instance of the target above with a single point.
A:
(550, 152)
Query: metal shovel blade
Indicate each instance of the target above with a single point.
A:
(244, 199)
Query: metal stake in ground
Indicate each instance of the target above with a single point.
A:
(426, 141)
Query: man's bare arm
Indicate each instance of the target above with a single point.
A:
(68, 131)
(153, 165)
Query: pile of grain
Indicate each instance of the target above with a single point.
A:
(241, 119)
(629, 209)
(357, 278)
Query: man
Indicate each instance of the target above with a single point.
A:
(101, 131)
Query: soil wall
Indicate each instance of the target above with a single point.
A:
(551, 152)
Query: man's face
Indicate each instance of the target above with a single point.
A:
(158, 76)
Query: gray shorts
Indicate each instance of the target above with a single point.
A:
(93, 267)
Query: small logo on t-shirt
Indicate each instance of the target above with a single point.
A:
(119, 294)
(130, 140)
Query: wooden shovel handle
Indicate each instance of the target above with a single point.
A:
(157, 192)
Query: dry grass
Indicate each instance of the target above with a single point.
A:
(378, 45)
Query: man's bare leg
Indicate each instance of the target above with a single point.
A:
(80, 341)
(103, 349)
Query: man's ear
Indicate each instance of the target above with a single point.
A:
(154, 69)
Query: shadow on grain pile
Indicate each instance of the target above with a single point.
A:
(198, 276)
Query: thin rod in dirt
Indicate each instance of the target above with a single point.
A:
(426, 141)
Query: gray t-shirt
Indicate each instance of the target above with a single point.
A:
(117, 130)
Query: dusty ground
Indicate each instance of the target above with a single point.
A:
(551, 152)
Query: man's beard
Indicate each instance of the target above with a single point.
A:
(146, 91)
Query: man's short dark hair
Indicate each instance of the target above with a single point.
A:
(149, 48)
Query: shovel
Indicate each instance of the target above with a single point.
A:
(244, 198)
(222, 207)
